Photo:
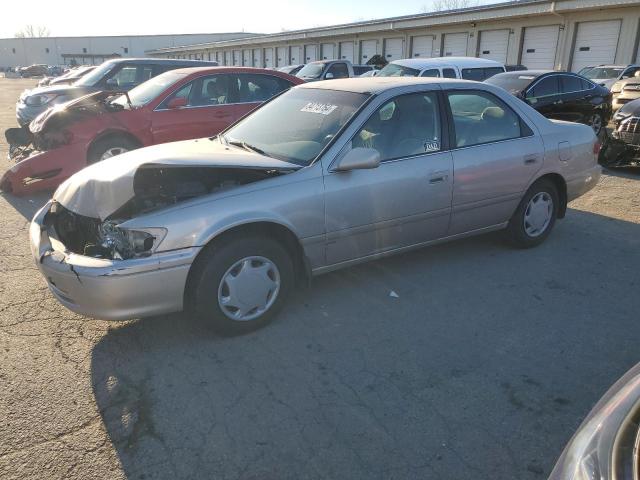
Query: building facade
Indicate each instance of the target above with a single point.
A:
(94, 50)
(541, 34)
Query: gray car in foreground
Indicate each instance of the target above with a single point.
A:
(324, 176)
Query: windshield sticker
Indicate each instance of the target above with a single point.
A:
(321, 108)
(431, 146)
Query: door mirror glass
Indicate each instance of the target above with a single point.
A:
(111, 84)
(358, 158)
(177, 102)
(328, 76)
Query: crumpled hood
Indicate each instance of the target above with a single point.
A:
(101, 189)
(62, 109)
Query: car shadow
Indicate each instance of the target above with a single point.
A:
(480, 364)
(27, 206)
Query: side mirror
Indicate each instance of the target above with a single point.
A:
(358, 158)
(328, 76)
(177, 102)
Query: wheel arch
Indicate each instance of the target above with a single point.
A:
(561, 186)
(272, 229)
(113, 133)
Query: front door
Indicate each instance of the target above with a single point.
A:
(545, 97)
(496, 155)
(407, 199)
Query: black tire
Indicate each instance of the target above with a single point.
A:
(516, 232)
(103, 145)
(213, 264)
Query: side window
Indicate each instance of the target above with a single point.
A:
(432, 72)
(586, 84)
(184, 92)
(545, 88)
(405, 126)
(473, 74)
(125, 77)
(570, 84)
(449, 73)
(339, 70)
(259, 88)
(480, 117)
(146, 74)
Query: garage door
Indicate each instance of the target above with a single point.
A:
(539, 47)
(268, 57)
(257, 57)
(393, 49)
(247, 61)
(422, 46)
(327, 51)
(281, 57)
(227, 58)
(596, 44)
(455, 45)
(236, 57)
(494, 45)
(346, 51)
(368, 48)
(310, 53)
(296, 55)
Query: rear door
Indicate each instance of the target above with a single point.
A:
(495, 154)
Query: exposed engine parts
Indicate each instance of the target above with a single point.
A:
(155, 187)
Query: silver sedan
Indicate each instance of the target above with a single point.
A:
(324, 176)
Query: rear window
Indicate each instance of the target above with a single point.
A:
(512, 83)
(395, 70)
(480, 74)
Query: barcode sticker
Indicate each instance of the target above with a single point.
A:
(321, 108)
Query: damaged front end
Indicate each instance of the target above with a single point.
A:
(622, 148)
(155, 187)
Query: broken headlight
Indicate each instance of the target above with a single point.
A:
(119, 243)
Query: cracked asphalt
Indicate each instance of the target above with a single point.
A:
(483, 367)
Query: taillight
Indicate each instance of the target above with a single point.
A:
(596, 148)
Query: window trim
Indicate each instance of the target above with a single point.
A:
(175, 90)
(444, 130)
(452, 127)
(558, 76)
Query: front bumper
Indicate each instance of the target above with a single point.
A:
(110, 289)
(44, 170)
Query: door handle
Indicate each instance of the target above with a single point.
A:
(530, 159)
(438, 177)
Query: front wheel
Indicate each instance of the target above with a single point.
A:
(535, 216)
(239, 284)
(109, 147)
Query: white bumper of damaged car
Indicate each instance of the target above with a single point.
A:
(110, 289)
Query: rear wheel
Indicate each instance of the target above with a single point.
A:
(596, 122)
(535, 216)
(110, 147)
(239, 284)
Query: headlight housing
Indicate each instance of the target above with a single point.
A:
(41, 99)
(603, 447)
(119, 243)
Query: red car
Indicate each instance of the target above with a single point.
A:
(176, 105)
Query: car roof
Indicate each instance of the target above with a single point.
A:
(232, 69)
(162, 61)
(375, 85)
(420, 63)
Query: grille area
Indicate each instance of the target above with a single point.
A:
(629, 131)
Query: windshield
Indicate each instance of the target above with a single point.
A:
(147, 91)
(603, 72)
(395, 70)
(90, 79)
(511, 83)
(79, 72)
(297, 125)
(311, 70)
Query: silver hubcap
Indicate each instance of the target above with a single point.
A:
(538, 214)
(249, 288)
(112, 152)
(596, 123)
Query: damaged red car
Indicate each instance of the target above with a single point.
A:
(176, 105)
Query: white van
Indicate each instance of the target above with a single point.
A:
(469, 68)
